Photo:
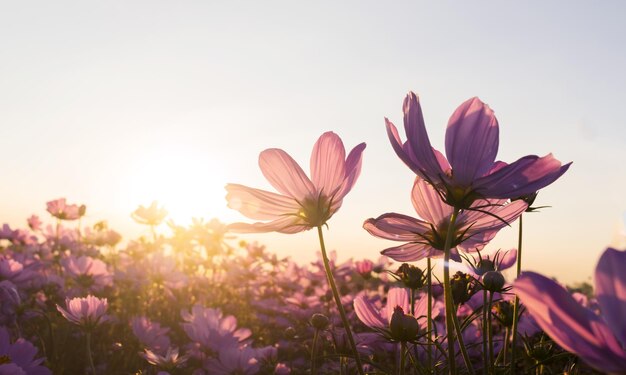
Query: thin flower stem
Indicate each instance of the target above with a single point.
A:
(464, 352)
(447, 291)
(314, 353)
(402, 363)
(89, 357)
(429, 316)
(516, 303)
(490, 334)
(333, 287)
(485, 356)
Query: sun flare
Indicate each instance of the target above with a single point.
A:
(186, 183)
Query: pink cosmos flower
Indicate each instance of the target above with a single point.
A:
(426, 237)
(303, 203)
(61, 210)
(472, 140)
(19, 357)
(211, 329)
(151, 334)
(380, 319)
(598, 340)
(86, 312)
(152, 215)
(87, 272)
(169, 361)
(34, 223)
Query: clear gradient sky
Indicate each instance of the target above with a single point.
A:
(114, 104)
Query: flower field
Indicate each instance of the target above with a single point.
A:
(79, 299)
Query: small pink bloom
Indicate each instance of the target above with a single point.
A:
(86, 312)
(87, 272)
(472, 140)
(364, 268)
(303, 202)
(152, 215)
(426, 237)
(380, 319)
(34, 223)
(61, 210)
(151, 334)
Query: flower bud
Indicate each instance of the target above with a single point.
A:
(493, 281)
(403, 327)
(290, 333)
(461, 287)
(484, 266)
(411, 276)
(504, 310)
(319, 321)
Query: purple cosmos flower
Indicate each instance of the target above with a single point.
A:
(152, 215)
(151, 334)
(426, 238)
(211, 329)
(598, 340)
(380, 319)
(63, 211)
(303, 202)
(87, 272)
(19, 357)
(86, 312)
(472, 140)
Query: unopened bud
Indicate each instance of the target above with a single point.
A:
(493, 281)
(403, 327)
(484, 266)
(290, 333)
(411, 276)
(461, 287)
(319, 321)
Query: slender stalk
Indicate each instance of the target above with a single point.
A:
(402, 363)
(516, 303)
(412, 297)
(314, 353)
(485, 356)
(89, 357)
(457, 328)
(447, 291)
(429, 316)
(333, 287)
(490, 334)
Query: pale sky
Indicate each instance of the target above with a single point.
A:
(114, 104)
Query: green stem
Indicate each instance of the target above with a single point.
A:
(314, 353)
(485, 356)
(402, 363)
(447, 291)
(516, 303)
(333, 287)
(429, 316)
(466, 358)
(490, 334)
(89, 357)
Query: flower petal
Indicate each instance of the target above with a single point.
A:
(288, 224)
(396, 297)
(328, 163)
(403, 151)
(410, 252)
(472, 140)
(352, 171)
(428, 203)
(368, 314)
(610, 281)
(396, 227)
(524, 176)
(417, 137)
(285, 174)
(259, 204)
(570, 325)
